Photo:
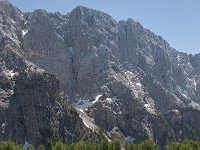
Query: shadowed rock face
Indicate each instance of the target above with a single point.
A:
(32, 106)
(119, 73)
(38, 108)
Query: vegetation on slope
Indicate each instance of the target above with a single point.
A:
(105, 145)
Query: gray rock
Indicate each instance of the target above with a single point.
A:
(119, 73)
(33, 108)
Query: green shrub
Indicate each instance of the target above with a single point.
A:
(8, 146)
(60, 146)
(104, 145)
(31, 148)
(41, 147)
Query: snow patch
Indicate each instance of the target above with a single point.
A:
(178, 57)
(110, 132)
(149, 108)
(130, 139)
(195, 85)
(128, 72)
(138, 84)
(119, 112)
(146, 105)
(175, 110)
(21, 15)
(109, 100)
(97, 98)
(10, 74)
(113, 99)
(172, 110)
(13, 21)
(184, 95)
(3, 126)
(26, 145)
(83, 103)
(24, 32)
(195, 105)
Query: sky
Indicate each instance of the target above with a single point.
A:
(177, 21)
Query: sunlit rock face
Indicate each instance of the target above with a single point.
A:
(120, 74)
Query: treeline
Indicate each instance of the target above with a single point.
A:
(105, 145)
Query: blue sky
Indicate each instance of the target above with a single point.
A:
(177, 21)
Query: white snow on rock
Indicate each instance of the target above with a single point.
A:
(83, 103)
(3, 126)
(195, 85)
(175, 110)
(97, 98)
(9, 73)
(172, 110)
(24, 32)
(138, 84)
(178, 57)
(130, 139)
(150, 108)
(128, 73)
(13, 21)
(109, 102)
(26, 145)
(113, 99)
(184, 95)
(146, 105)
(195, 105)
(110, 132)
(21, 15)
(133, 80)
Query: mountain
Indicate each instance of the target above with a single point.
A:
(120, 76)
(33, 107)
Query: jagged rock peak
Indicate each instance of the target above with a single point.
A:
(9, 9)
(40, 12)
(84, 9)
(118, 73)
(4, 2)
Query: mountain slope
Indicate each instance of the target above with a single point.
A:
(120, 74)
(33, 108)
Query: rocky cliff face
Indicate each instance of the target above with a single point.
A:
(11, 22)
(120, 74)
(39, 111)
(32, 106)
